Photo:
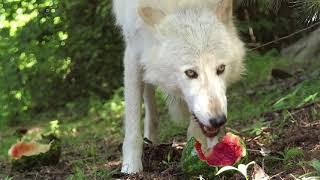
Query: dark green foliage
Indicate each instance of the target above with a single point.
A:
(60, 54)
(95, 47)
(261, 21)
(63, 53)
(308, 10)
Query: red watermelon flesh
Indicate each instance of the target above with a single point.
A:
(227, 152)
(27, 149)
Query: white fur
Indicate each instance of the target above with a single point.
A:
(164, 38)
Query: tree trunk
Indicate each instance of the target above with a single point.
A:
(307, 48)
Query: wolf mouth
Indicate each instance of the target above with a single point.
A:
(210, 132)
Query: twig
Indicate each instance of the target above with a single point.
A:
(253, 150)
(286, 37)
(277, 174)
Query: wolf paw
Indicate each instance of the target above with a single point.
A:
(132, 167)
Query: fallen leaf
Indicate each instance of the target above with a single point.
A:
(258, 173)
(265, 151)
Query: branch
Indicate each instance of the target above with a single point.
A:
(285, 37)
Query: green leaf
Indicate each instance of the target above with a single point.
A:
(309, 99)
(316, 165)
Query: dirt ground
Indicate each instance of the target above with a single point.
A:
(302, 133)
(287, 128)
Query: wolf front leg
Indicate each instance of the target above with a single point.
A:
(151, 120)
(132, 144)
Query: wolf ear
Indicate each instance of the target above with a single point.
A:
(151, 16)
(224, 11)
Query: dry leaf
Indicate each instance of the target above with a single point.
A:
(258, 173)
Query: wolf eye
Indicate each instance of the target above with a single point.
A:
(221, 69)
(191, 74)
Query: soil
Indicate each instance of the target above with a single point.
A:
(303, 133)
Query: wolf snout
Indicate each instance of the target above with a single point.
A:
(218, 121)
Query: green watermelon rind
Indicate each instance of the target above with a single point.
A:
(43, 159)
(192, 165)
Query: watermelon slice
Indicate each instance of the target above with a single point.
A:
(26, 155)
(227, 152)
(27, 149)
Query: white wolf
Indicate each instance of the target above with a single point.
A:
(188, 48)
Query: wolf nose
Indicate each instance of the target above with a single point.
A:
(218, 121)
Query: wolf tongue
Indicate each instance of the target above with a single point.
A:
(209, 129)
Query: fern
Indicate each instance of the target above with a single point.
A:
(308, 10)
(271, 5)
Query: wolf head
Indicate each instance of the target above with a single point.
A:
(197, 54)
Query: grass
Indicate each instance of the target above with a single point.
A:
(244, 107)
(101, 124)
(293, 155)
(82, 172)
(269, 97)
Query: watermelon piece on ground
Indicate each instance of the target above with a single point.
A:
(227, 152)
